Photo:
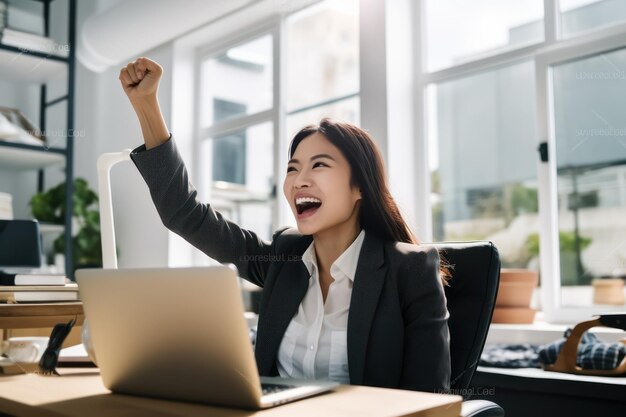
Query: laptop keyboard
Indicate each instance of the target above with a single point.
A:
(274, 388)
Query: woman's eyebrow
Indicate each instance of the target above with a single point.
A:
(321, 155)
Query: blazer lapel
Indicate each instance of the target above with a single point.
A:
(368, 284)
(285, 298)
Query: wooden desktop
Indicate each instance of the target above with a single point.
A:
(79, 392)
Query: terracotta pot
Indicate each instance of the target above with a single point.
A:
(514, 295)
(516, 287)
(516, 315)
(608, 291)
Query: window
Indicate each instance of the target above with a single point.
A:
(243, 138)
(590, 142)
(237, 82)
(484, 175)
(499, 84)
(322, 70)
(583, 15)
(236, 121)
(460, 31)
(322, 55)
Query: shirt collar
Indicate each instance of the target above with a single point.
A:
(345, 265)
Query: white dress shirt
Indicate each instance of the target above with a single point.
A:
(315, 344)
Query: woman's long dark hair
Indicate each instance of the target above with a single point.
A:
(379, 213)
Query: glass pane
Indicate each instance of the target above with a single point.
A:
(237, 82)
(243, 161)
(322, 53)
(459, 31)
(241, 167)
(582, 15)
(482, 145)
(347, 110)
(589, 98)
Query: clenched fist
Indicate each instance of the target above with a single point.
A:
(140, 79)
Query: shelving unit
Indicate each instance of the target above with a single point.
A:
(21, 65)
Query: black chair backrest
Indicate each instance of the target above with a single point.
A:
(471, 297)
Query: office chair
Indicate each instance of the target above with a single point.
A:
(471, 297)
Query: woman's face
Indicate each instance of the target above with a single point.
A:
(317, 186)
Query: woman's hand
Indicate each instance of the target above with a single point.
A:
(140, 81)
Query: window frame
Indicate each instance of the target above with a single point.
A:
(220, 192)
(573, 49)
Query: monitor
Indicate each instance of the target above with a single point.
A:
(20, 244)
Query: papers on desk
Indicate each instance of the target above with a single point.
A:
(34, 294)
(74, 354)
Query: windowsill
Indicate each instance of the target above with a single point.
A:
(538, 373)
(541, 332)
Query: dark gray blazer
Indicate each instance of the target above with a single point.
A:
(397, 325)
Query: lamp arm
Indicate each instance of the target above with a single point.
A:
(107, 229)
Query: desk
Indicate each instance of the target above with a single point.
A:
(79, 392)
(29, 316)
(533, 391)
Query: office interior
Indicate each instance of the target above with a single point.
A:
(498, 120)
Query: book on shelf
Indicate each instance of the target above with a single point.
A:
(32, 279)
(32, 42)
(32, 294)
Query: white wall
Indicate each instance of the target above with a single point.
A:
(110, 125)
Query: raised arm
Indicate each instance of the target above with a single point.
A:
(175, 198)
(140, 81)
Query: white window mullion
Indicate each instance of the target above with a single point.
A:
(372, 70)
(236, 124)
(547, 194)
(422, 186)
(551, 21)
(504, 59)
(279, 206)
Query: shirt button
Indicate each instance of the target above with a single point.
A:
(312, 347)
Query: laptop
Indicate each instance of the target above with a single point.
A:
(179, 333)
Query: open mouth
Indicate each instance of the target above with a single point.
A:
(307, 205)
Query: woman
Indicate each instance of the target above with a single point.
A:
(349, 296)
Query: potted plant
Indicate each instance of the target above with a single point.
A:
(568, 255)
(49, 206)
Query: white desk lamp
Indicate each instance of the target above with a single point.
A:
(107, 230)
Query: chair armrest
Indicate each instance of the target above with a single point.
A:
(481, 408)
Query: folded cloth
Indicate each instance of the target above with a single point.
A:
(592, 352)
(504, 355)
